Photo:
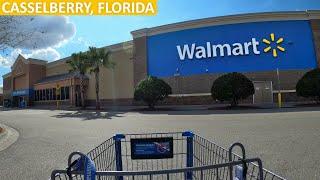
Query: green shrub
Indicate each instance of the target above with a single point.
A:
(232, 87)
(151, 90)
(309, 85)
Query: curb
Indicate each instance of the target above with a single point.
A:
(3, 133)
(8, 137)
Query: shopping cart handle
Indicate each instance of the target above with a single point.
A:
(241, 147)
(72, 154)
(69, 168)
(71, 164)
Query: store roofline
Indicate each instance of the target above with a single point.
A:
(229, 19)
(113, 47)
(6, 75)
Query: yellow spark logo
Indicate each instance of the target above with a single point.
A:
(278, 45)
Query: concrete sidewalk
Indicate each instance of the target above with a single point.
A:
(7, 137)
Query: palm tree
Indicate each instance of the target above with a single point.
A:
(79, 64)
(98, 58)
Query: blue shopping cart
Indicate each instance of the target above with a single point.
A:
(164, 156)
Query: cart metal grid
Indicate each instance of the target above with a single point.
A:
(194, 158)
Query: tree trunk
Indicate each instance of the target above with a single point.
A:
(82, 91)
(97, 91)
(234, 102)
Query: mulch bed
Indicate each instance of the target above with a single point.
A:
(155, 110)
(211, 108)
(308, 105)
(235, 108)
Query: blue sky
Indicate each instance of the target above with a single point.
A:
(102, 30)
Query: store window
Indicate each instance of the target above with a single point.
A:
(62, 93)
(51, 94)
(47, 94)
(54, 94)
(40, 95)
(44, 95)
(35, 95)
(67, 93)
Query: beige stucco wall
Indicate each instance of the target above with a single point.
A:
(58, 68)
(116, 83)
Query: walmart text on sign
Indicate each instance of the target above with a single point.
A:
(209, 51)
(85, 7)
(243, 47)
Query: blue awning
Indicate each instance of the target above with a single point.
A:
(22, 92)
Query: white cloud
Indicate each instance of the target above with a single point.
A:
(47, 31)
(48, 54)
(81, 41)
(5, 61)
(8, 60)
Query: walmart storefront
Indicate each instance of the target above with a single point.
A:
(273, 49)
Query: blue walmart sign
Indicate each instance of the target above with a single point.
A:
(248, 47)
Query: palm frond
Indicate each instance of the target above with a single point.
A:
(78, 63)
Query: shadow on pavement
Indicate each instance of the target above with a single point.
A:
(88, 115)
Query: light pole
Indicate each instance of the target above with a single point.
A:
(279, 90)
(177, 82)
(57, 94)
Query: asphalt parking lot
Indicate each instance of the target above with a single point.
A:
(287, 141)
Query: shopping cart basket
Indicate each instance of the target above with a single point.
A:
(164, 156)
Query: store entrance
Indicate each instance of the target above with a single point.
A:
(19, 101)
(15, 101)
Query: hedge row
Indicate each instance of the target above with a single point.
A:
(230, 87)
